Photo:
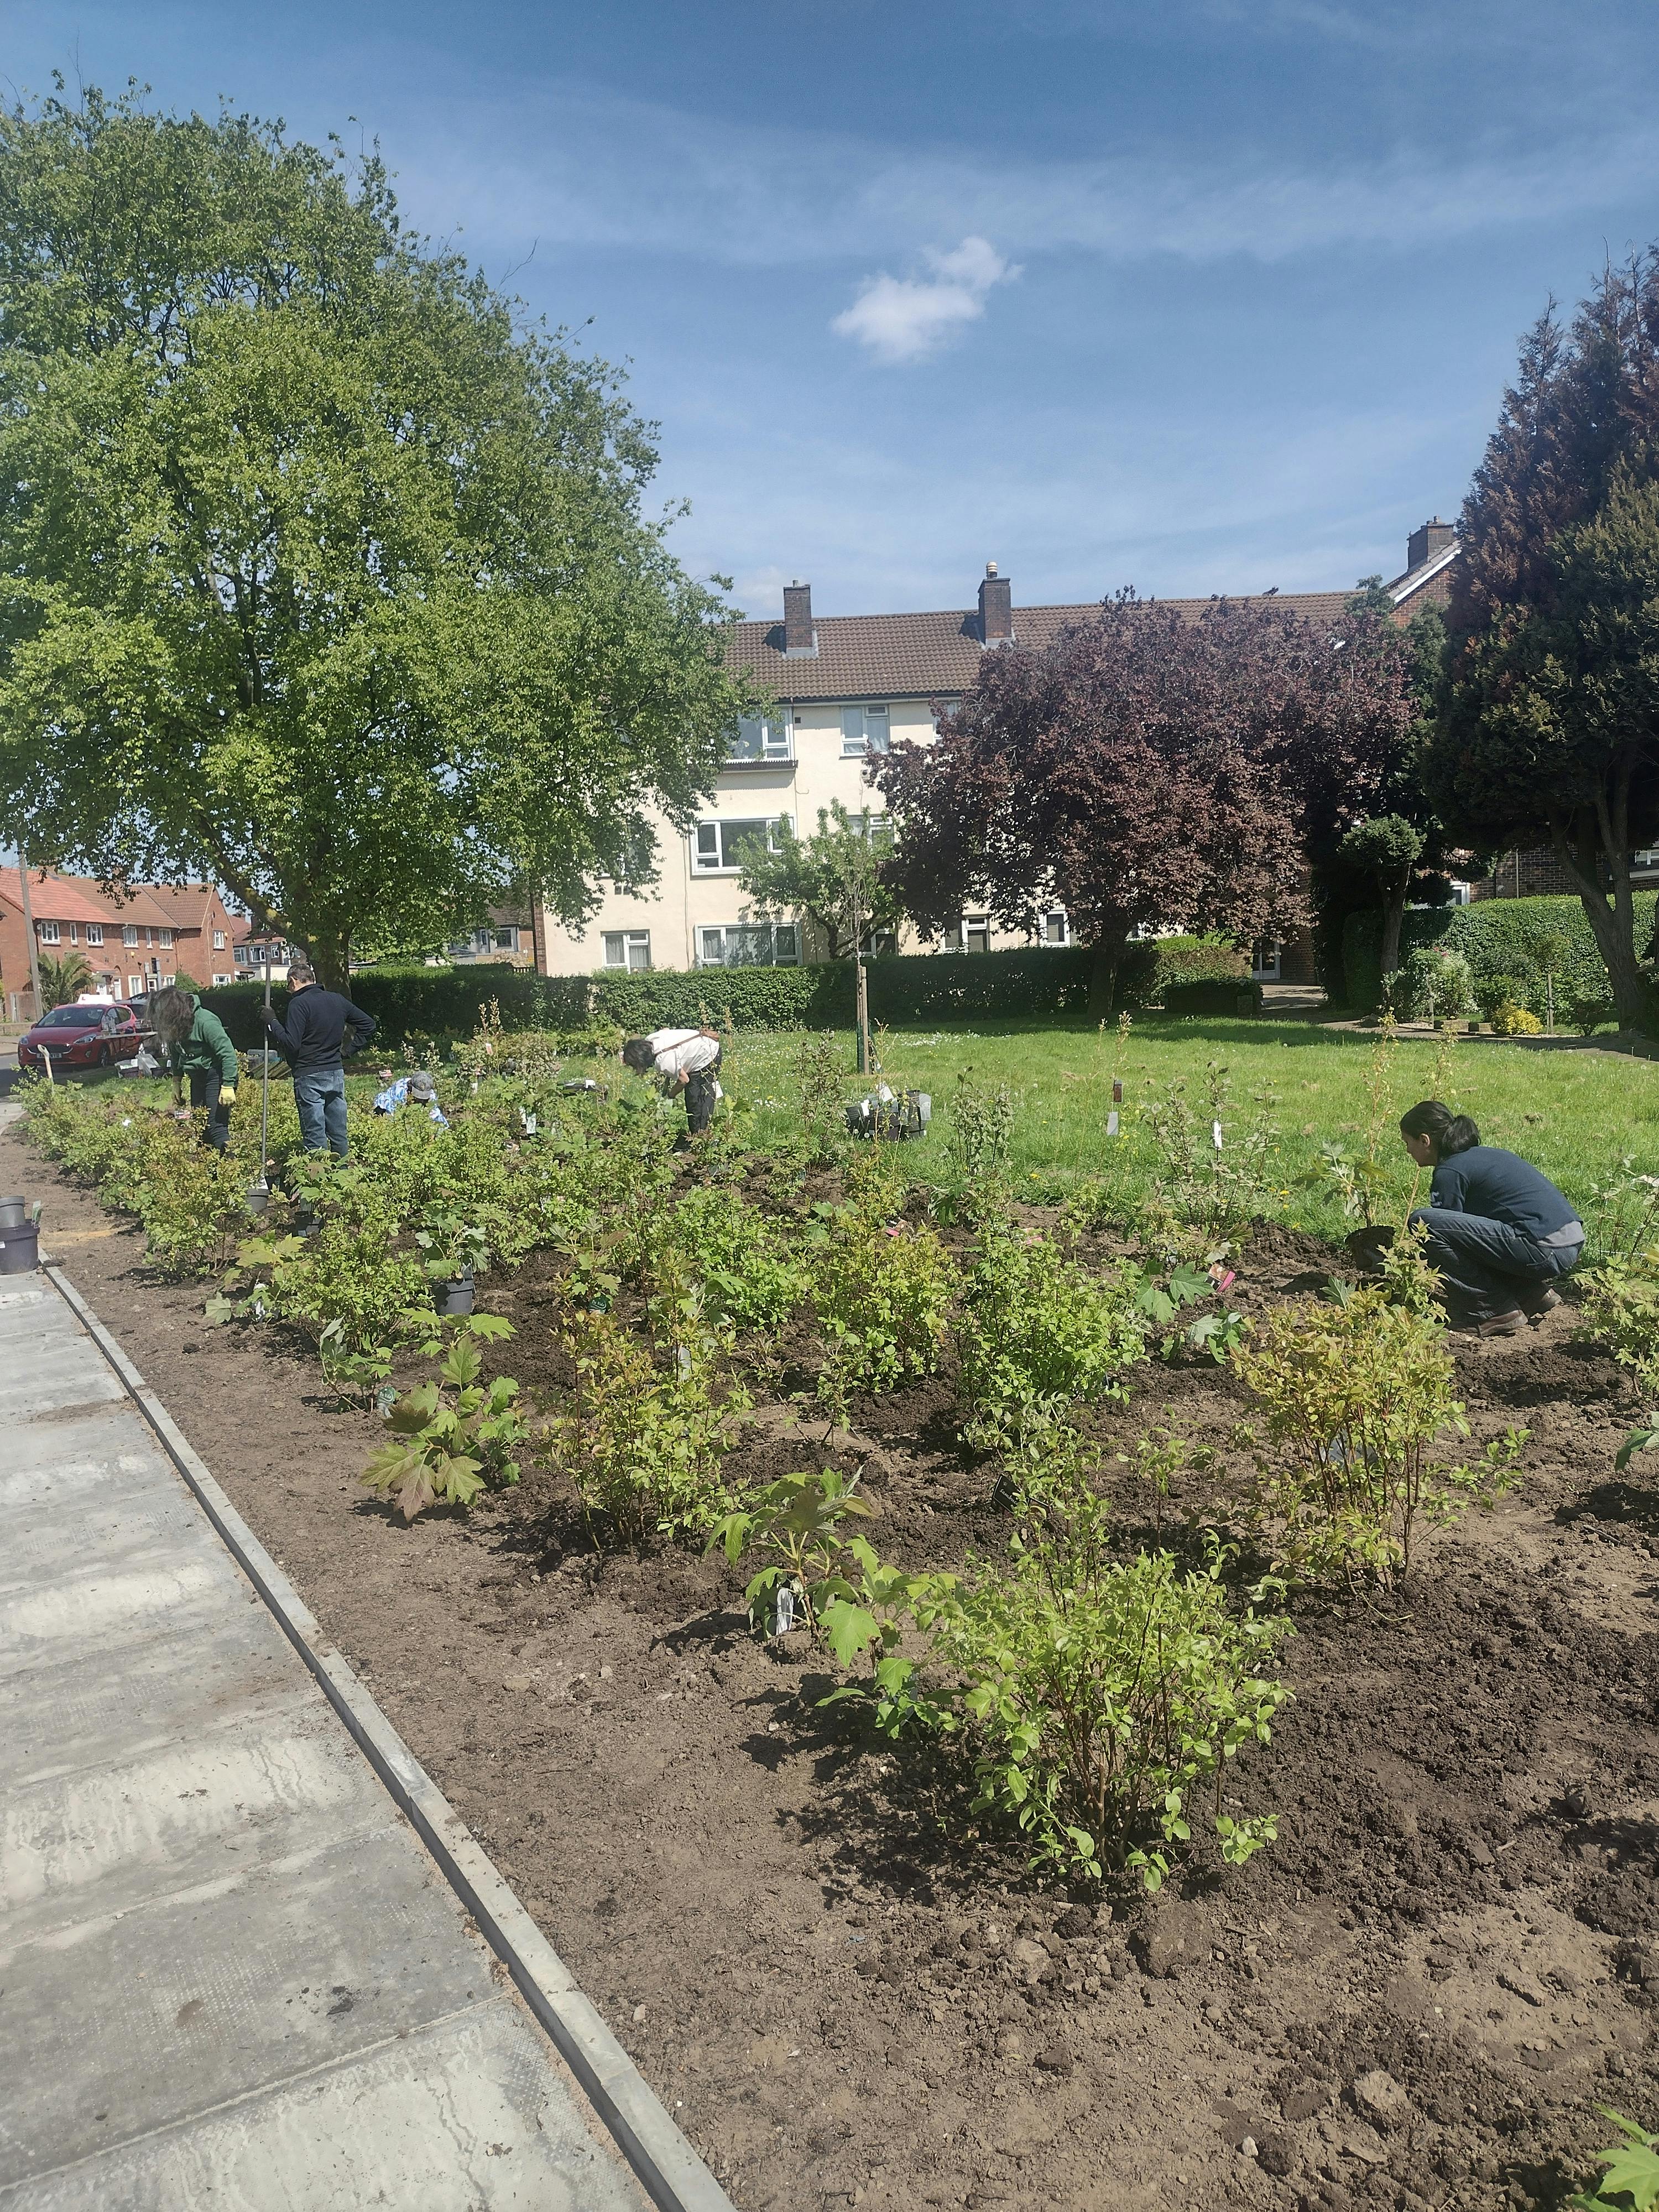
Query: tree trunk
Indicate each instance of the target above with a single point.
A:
(1103, 981)
(1394, 915)
(1602, 840)
(330, 956)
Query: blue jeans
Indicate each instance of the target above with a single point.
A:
(320, 1094)
(1487, 1267)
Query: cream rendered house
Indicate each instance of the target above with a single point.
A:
(847, 687)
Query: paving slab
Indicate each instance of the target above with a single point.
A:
(233, 1976)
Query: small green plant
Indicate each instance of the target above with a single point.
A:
(795, 1527)
(882, 1290)
(714, 1237)
(1212, 1170)
(1159, 1458)
(646, 1435)
(1103, 1701)
(820, 1083)
(449, 1437)
(977, 1143)
(1034, 1325)
(1631, 2183)
(1357, 1398)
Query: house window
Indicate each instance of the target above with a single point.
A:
(864, 730)
(717, 847)
(218, 941)
(49, 932)
(749, 945)
(130, 932)
(95, 933)
(628, 948)
(977, 931)
(167, 937)
(134, 985)
(1056, 928)
(167, 981)
(242, 956)
(506, 940)
(223, 979)
(761, 738)
(75, 933)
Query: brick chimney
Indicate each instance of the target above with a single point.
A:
(1423, 543)
(800, 639)
(996, 608)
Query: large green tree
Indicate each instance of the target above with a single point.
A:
(320, 573)
(1549, 724)
(833, 879)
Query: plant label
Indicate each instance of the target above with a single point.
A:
(1111, 1120)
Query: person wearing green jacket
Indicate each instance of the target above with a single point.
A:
(197, 1047)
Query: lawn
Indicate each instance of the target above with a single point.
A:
(1578, 1114)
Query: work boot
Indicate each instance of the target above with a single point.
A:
(1539, 1303)
(1504, 1324)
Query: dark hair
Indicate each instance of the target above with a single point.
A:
(1452, 1133)
(637, 1054)
(301, 971)
(171, 1014)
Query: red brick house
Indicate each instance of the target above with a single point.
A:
(132, 941)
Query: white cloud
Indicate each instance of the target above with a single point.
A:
(902, 318)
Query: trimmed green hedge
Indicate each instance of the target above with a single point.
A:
(914, 988)
(1497, 937)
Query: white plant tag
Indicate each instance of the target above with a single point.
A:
(1215, 1131)
(785, 1617)
(1111, 1122)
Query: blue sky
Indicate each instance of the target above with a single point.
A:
(1193, 297)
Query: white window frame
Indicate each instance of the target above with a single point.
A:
(130, 934)
(710, 838)
(95, 933)
(866, 730)
(505, 940)
(1050, 935)
(75, 933)
(50, 934)
(620, 947)
(771, 740)
(218, 941)
(715, 948)
(167, 939)
(135, 987)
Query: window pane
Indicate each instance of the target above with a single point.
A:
(852, 730)
(777, 737)
(788, 952)
(708, 845)
(739, 838)
(712, 947)
(876, 728)
(639, 948)
(615, 954)
(750, 742)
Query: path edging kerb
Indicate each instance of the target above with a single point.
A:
(673, 2175)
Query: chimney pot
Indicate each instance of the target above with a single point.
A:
(800, 639)
(996, 608)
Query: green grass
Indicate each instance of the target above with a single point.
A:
(1577, 1114)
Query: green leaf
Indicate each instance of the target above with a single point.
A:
(849, 1629)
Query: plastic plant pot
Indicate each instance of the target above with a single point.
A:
(19, 1249)
(257, 1197)
(454, 1299)
(14, 1213)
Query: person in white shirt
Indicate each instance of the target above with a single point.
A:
(682, 1060)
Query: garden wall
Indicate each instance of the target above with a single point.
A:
(1497, 938)
(925, 987)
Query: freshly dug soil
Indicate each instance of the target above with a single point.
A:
(1419, 1994)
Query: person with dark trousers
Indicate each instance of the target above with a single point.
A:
(1498, 1233)
(313, 1042)
(681, 1060)
(197, 1049)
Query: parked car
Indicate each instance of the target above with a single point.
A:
(81, 1037)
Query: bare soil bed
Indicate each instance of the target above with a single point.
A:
(1419, 1994)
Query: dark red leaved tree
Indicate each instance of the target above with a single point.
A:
(1148, 771)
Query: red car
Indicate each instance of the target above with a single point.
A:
(81, 1037)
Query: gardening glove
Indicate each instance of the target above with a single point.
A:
(226, 1094)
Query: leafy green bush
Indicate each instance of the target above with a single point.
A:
(882, 1290)
(1631, 2183)
(795, 1525)
(449, 1437)
(715, 1239)
(1102, 1700)
(1620, 1310)
(1437, 985)
(1035, 1326)
(977, 1143)
(645, 1434)
(1357, 1395)
(1497, 937)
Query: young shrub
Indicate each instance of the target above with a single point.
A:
(1437, 985)
(1217, 1188)
(449, 1437)
(820, 1083)
(977, 1142)
(713, 1238)
(882, 1290)
(1103, 1701)
(1620, 1310)
(795, 1525)
(645, 1440)
(1357, 1398)
(1034, 1325)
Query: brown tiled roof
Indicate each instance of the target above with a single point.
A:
(181, 906)
(54, 897)
(931, 655)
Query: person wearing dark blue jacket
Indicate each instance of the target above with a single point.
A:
(1498, 1233)
(312, 1041)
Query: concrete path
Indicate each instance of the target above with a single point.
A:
(230, 1976)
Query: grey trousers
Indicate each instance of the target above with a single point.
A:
(1487, 1267)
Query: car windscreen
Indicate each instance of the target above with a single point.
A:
(72, 1018)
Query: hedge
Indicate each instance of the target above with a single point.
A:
(1497, 937)
(913, 988)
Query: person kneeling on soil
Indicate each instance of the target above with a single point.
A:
(684, 1059)
(194, 1044)
(416, 1090)
(1496, 1231)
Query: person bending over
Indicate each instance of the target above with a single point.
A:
(195, 1046)
(683, 1059)
(1498, 1233)
(312, 1041)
